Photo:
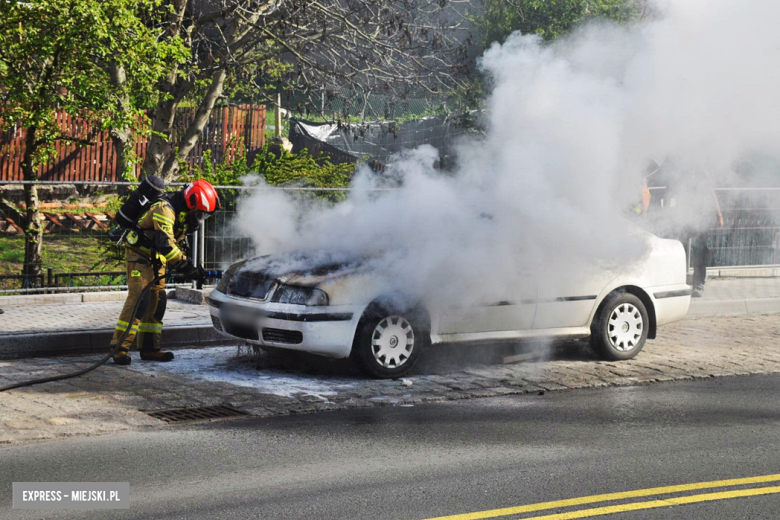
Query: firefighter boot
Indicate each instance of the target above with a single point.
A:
(122, 357)
(150, 344)
(150, 329)
(156, 355)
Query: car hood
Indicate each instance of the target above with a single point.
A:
(345, 278)
(307, 268)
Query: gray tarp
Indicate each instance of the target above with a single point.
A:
(378, 140)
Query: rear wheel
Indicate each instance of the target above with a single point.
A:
(619, 330)
(388, 343)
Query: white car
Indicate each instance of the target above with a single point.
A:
(336, 310)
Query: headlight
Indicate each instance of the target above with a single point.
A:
(228, 275)
(317, 297)
(299, 295)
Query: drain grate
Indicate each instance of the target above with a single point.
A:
(196, 413)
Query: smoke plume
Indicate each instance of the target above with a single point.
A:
(570, 129)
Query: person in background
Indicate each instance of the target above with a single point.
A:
(697, 237)
(642, 206)
(691, 210)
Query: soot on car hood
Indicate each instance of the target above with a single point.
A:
(306, 268)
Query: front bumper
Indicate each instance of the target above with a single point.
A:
(324, 330)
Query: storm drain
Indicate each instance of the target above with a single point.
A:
(176, 415)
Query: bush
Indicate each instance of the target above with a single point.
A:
(278, 168)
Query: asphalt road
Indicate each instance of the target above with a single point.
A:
(439, 459)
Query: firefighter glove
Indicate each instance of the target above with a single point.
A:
(190, 271)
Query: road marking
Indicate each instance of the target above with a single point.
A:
(607, 497)
(666, 502)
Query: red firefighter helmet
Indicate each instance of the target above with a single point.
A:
(200, 195)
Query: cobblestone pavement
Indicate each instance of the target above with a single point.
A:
(109, 399)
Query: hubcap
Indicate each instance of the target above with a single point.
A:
(392, 342)
(625, 327)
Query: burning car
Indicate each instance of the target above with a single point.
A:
(342, 309)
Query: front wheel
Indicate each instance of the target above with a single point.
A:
(388, 343)
(619, 330)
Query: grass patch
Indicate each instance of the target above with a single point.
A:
(270, 120)
(70, 253)
(10, 253)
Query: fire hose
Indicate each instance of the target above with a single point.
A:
(92, 367)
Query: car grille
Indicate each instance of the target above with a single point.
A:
(241, 331)
(250, 284)
(217, 323)
(292, 337)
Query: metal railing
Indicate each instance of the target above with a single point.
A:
(750, 237)
(76, 247)
(76, 282)
(51, 282)
(221, 245)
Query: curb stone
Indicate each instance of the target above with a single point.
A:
(46, 299)
(19, 346)
(739, 307)
(197, 296)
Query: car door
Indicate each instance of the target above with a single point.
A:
(566, 295)
(493, 317)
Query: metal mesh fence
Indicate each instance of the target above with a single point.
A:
(750, 234)
(77, 252)
(751, 227)
(747, 238)
(76, 249)
(223, 245)
(347, 103)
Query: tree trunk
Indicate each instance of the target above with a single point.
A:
(158, 148)
(195, 129)
(125, 158)
(122, 137)
(163, 116)
(33, 231)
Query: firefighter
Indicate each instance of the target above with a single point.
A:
(163, 229)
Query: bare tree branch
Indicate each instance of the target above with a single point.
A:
(385, 47)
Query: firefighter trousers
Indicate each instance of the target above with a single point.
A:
(147, 323)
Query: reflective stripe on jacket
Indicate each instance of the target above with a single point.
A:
(160, 224)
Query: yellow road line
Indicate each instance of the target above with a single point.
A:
(493, 513)
(652, 504)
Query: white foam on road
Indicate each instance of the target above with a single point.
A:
(220, 364)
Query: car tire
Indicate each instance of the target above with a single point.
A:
(378, 348)
(620, 328)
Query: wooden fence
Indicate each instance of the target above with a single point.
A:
(228, 128)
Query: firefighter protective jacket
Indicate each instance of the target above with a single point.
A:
(163, 232)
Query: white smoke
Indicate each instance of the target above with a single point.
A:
(704, 83)
(570, 128)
